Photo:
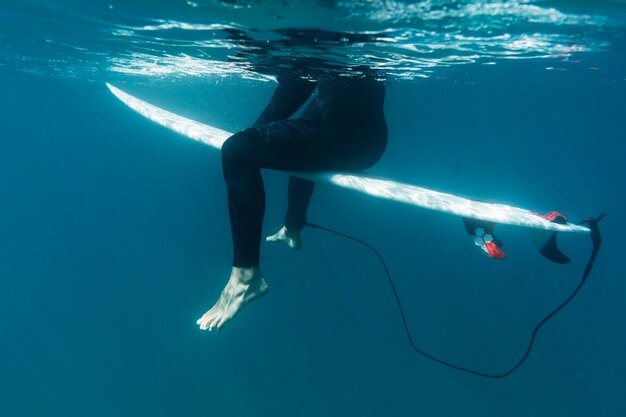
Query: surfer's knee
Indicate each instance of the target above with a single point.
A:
(238, 153)
(240, 145)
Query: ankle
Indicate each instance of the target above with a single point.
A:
(245, 275)
(292, 233)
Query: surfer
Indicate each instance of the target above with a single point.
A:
(343, 128)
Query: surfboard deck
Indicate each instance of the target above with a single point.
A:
(362, 182)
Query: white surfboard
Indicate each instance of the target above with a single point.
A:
(362, 182)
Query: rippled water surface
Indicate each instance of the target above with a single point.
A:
(406, 39)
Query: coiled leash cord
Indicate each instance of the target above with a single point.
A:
(596, 240)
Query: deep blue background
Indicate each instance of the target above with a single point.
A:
(115, 239)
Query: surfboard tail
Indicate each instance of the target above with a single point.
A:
(483, 234)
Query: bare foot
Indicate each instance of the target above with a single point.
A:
(244, 285)
(291, 238)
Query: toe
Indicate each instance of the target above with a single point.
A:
(205, 320)
(212, 323)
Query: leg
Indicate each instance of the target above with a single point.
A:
(368, 149)
(292, 145)
(243, 156)
(299, 197)
(246, 206)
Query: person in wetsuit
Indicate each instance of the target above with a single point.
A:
(343, 128)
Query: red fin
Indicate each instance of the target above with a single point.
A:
(494, 251)
(554, 217)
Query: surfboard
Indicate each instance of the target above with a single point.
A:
(479, 216)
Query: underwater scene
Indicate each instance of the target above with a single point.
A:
(428, 281)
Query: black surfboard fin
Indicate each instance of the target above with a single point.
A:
(545, 240)
(550, 250)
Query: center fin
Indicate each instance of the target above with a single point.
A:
(482, 232)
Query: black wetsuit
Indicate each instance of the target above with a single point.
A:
(343, 128)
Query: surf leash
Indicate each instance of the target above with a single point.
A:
(596, 240)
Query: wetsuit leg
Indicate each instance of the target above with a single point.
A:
(299, 194)
(290, 145)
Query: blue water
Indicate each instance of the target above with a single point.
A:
(115, 236)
